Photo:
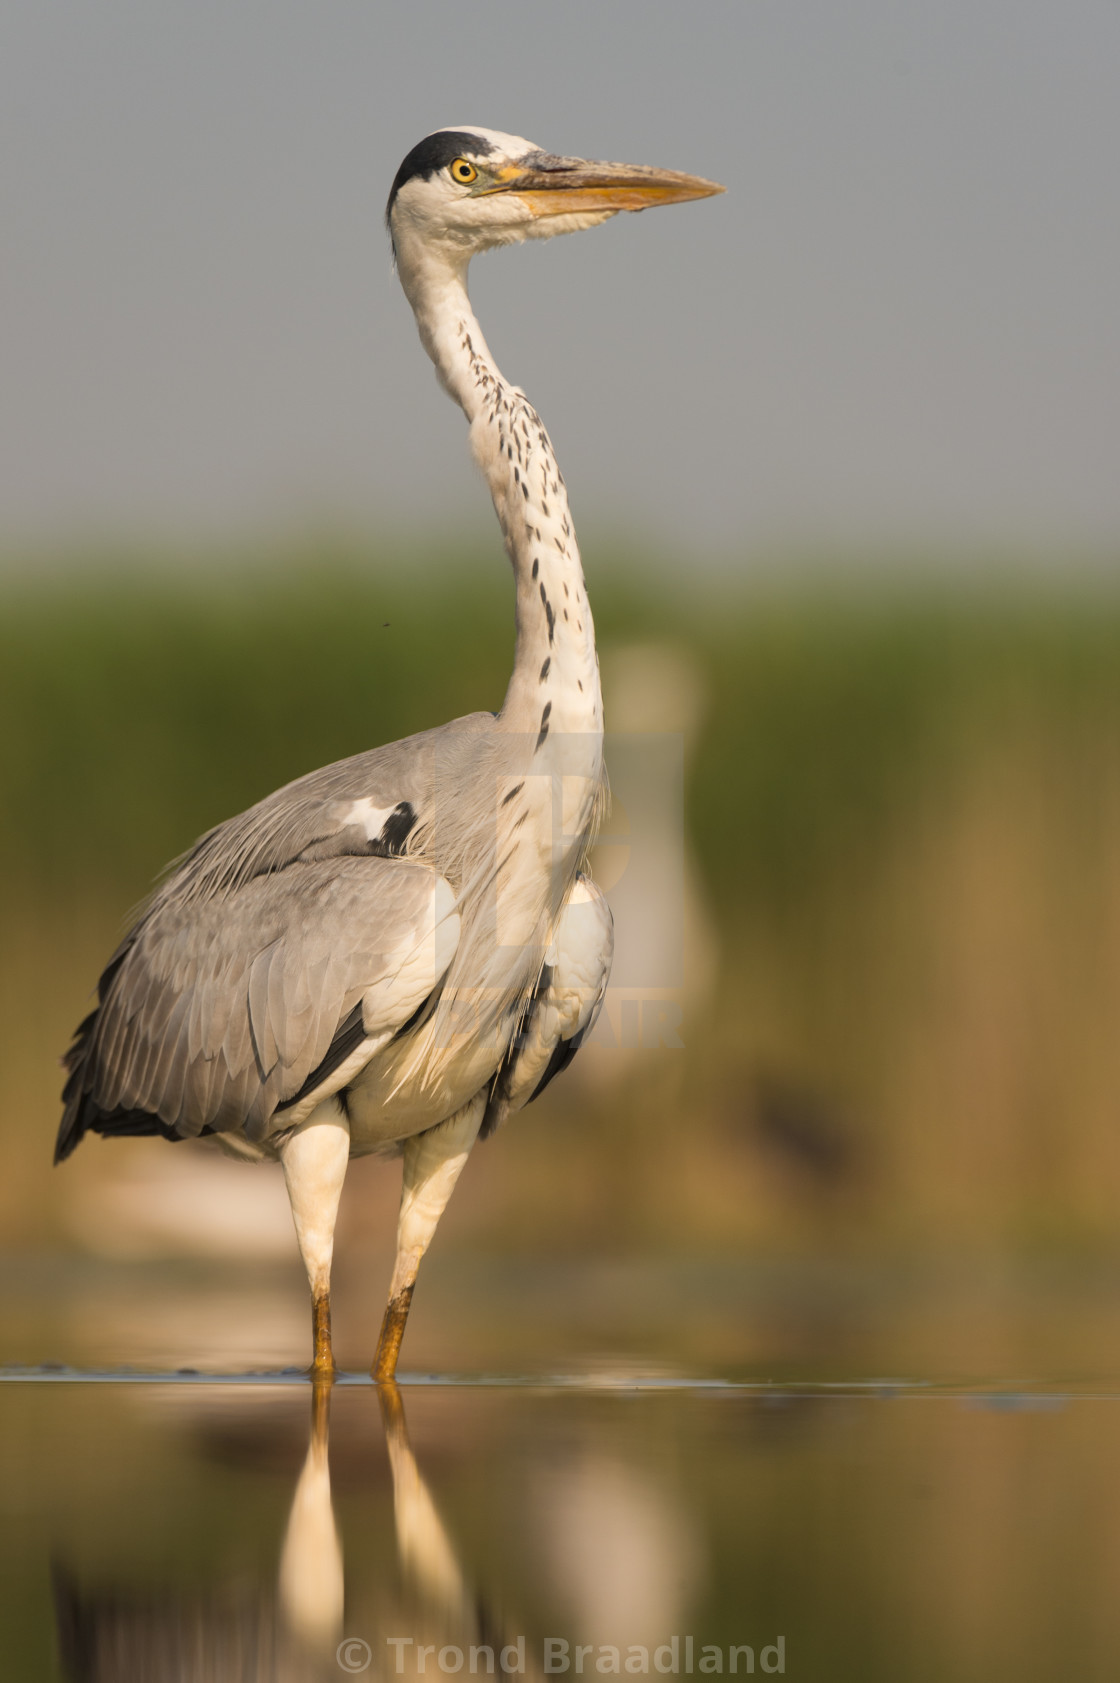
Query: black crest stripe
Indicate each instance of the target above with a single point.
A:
(434, 153)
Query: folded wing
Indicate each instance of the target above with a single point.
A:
(242, 1009)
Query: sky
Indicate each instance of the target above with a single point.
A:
(901, 324)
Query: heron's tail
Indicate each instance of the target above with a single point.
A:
(75, 1098)
(81, 1113)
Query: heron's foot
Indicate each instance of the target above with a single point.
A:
(323, 1365)
(384, 1369)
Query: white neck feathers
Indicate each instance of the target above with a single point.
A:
(555, 683)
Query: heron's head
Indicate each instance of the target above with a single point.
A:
(464, 190)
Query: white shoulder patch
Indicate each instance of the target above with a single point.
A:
(369, 818)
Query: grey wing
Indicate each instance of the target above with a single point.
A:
(565, 1006)
(241, 1011)
(165, 1051)
(378, 804)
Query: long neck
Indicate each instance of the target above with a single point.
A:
(555, 682)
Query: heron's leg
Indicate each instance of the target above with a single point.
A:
(433, 1162)
(315, 1158)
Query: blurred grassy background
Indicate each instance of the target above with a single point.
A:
(903, 816)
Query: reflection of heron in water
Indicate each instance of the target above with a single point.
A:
(292, 1634)
(310, 1584)
(446, 1611)
(243, 1634)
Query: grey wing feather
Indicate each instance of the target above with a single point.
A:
(214, 1013)
(375, 804)
(565, 1006)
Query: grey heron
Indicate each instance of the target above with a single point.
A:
(395, 952)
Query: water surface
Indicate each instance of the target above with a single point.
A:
(649, 1504)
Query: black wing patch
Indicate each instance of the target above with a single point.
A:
(562, 1054)
(390, 843)
(348, 1036)
(115, 1124)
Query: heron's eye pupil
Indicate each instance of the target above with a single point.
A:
(463, 171)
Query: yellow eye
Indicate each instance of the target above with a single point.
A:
(462, 171)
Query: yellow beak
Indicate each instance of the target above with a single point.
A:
(571, 186)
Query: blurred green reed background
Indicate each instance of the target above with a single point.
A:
(903, 822)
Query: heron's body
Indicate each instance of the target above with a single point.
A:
(396, 951)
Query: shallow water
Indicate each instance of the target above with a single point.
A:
(195, 1526)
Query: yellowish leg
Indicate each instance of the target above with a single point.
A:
(392, 1331)
(433, 1162)
(323, 1363)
